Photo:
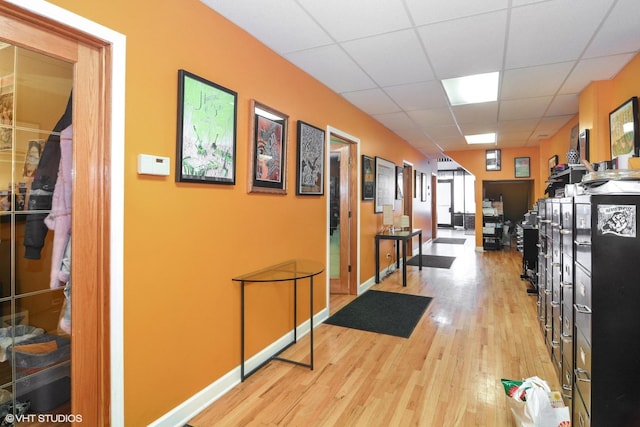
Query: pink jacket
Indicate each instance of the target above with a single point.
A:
(59, 220)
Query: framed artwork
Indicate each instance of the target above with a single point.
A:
(310, 177)
(399, 182)
(368, 178)
(206, 147)
(623, 131)
(583, 145)
(573, 138)
(423, 178)
(416, 183)
(553, 162)
(385, 184)
(268, 150)
(522, 167)
(493, 161)
(32, 159)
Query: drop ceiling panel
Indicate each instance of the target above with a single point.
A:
(523, 108)
(535, 31)
(372, 101)
(418, 96)
(267, 26)
(466, 46)
(400, 66)
(589, 70)
(563, 105)
(333, 67)
(432, 11)
(534, 81)
(620, 33)
(487, 112)
(354, 19)
(432, 117)
(396, 121)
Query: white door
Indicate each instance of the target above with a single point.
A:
(445, 200)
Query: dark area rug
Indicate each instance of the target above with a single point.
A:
(450, 240)
(436, 261)
(382, 312)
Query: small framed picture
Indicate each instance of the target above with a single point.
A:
(368, 178)
(583, 145)
(553, 162)
(522, 167)
(310, 178)
(385, 184)
(268, 150)
(493, 160)
(623, 130)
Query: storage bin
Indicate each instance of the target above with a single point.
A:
(28, 360)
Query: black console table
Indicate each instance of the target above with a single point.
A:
(399, 236)
(289, 271)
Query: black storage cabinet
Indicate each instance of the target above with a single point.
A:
(606, 311)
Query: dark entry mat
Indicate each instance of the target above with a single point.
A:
(450, 240)
(436, 261)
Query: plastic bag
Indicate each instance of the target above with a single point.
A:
(533, 404)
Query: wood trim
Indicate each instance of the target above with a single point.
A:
(91, 201)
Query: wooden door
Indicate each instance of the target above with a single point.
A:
(90, 203)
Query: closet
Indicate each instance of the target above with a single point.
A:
(35, 352)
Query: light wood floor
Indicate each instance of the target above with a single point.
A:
(480, 327)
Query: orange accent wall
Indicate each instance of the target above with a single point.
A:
(184, 242)
(474, 162)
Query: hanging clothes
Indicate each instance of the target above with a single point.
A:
(42, 187)
(59, 219)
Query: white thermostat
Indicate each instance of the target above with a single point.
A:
(153, 165)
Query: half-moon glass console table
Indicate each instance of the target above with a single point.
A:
(288, 271)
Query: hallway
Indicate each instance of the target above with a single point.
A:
(480, 327)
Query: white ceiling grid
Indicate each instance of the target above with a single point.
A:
(387, 57)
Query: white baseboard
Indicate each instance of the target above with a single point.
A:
(180, 415)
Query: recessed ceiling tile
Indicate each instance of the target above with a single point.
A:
(508, 126)
(620, 33)
(523, 108)
(391, 59)
(534, 81)
(333, 67)
(265, 23)
(563, 105)
(466, 46)
(371, 101)
(432, 117)
(548, 126)
(552, 31)
(474, 113)
(431, 11)
(443, 132)
(418, 96)
(395, 121)
(353, 19)
(590, 70)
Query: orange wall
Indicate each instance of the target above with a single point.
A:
(474, 162)
(184, 242)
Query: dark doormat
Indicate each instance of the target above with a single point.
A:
(436, 261)
(450, 240)
(382, 312)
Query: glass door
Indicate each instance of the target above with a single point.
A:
(35, 343)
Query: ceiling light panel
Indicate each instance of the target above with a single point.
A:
(472, 89)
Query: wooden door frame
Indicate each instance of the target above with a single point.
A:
(99, 59)
(434, 206)
(354, 220)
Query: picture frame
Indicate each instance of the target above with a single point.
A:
(206, 131)
(583, 145)
(522, 167)
(425, 187)
(553, 162)
(399, 183)
(311, 159)
(623, 132)
(267, 150)
(416, 184)
(385, 187)
(368, 178)
(493, 160)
